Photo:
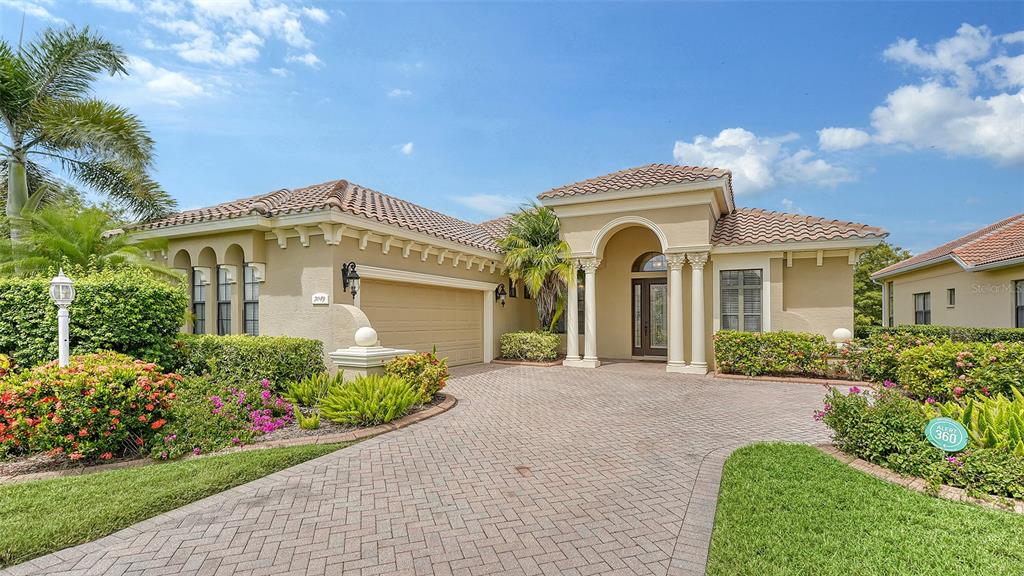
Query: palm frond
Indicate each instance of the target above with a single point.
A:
(65, 62)
(134, 190)
(535, 254)
(94, 129)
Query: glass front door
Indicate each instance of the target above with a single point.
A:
(650, 317)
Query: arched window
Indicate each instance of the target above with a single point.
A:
(650, 262)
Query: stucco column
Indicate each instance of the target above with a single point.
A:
(590, 360)
(698, 361)
(675, 311)
(572, 320)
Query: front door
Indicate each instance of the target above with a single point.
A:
(650, 317)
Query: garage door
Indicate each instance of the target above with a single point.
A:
(420, 317)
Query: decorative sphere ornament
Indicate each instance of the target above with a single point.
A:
(366, 337)
(842, 335)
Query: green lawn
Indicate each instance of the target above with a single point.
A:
(44, 516)
(788, 509)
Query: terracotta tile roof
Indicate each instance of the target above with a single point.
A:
(498, 226)
(756, 226)
(994, 243)
(642, 177)
(347, 197)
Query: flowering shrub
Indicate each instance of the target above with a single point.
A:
(877, 358)
(887, 428)
(99, 406)
(423, 370)
(766, 353)
(536, 346)
(209, 416)
(6, 365)
(952, 369)
(370, 400)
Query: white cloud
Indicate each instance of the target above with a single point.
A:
(490, 205)
(282, 72)
(147, 82)
(232, 32)
(407, 148)
(36, 9)
(117, 5)
(968, 101)
(842, 138)
(791, 206)
(759, 163)
(309, 59)
(399, 93)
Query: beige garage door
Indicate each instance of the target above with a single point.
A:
(420, 317)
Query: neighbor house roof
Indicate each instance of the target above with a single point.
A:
(756, 226)
(995, 244)
(642, 177)
(347, 197)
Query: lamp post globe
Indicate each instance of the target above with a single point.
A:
(62, 292)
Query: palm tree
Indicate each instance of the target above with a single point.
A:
(536, 254)
(78, 239)
(48, 118)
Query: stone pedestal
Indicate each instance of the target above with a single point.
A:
(366, 357)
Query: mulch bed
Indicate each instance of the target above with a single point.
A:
(39, 466)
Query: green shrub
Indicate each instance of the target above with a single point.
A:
(126, 310)
(370, 400)
(311, 422)
(887, 428)
(535, 346)
(100, 406)
(877, 358)
(309, 390)
(424, 370)
(243, 359)
(951, 369)
(991, 422)
(769, 353)
(954, 333)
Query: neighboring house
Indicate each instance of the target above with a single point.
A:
(642, 237)
(975, 280)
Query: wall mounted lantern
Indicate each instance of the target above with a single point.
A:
(62, 292)
(350, 278)
(499, 294)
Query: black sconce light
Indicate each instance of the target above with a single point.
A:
(350, 278)
(499, 293)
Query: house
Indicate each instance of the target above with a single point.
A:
(665, 259)
(976, 280)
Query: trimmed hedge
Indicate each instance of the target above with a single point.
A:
(954, 369)
(536, 346)
(125, 310)
(244, 360)
(954, 333)
(772, 353)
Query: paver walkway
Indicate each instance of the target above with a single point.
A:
(536, 471)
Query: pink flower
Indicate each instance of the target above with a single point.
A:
(197, 451)
(954, 460)
(889, 384)
(854, 390)
(958, 391)
(265, 383)
(929, 400)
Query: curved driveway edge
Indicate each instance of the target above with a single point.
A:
(534, 471)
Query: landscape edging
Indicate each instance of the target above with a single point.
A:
(351, 436)
(919, 485)
(793, 379)
(541, 364)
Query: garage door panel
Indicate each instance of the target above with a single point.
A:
(421, 317)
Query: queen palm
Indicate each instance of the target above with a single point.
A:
(50, 119)
(536, 254)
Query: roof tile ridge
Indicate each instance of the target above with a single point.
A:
(996, 228)
(266, 203)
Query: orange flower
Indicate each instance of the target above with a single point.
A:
(106, 456)
(138, 441)
(156, 425)
(149, 407)
(115, 412)
(76, 456)
(83, 432)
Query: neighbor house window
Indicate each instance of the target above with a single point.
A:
(198, 302)
(923, 308)
(223, 301)
(1019, 302)
(741, 300)
(950, 297)
(889, 301)
(250, 301)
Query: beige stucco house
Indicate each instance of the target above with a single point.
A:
(976, 280)
(665, 257)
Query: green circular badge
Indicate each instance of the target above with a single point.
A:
(947, 434)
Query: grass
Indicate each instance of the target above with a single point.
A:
(43, 516)
(787, 509)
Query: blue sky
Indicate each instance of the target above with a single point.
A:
(907, 116)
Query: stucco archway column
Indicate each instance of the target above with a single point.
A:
(589, 266)
(675, 310)
(572, 319)
(698, 361)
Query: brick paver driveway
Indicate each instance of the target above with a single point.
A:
(535, 471)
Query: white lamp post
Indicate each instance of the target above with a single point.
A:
(63, 293)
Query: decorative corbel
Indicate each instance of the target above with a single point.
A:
(282, 237)
(385, 247)
(820, 257)
(425, 253)
(363, 239)
(441, 256)
(470, 262)
(332, 232)
(457, 259)
(407, 248)
(303, 235)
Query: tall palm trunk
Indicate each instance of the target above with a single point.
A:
(17, 197)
